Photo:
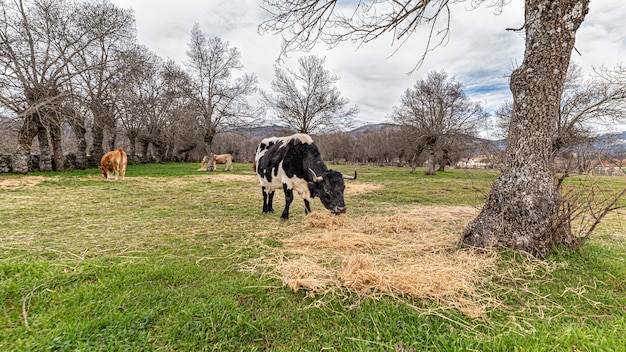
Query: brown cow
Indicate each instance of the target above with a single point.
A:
(223, 159)
(114, 161)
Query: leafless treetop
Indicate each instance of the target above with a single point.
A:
(303, 24)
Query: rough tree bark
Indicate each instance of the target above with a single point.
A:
(521, 206)
(431, 160)
(54, 128)
(101, 120)
(209, 135)
(45, 156)
(29, 130)
(77, 122)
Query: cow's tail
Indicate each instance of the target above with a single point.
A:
(254, 165)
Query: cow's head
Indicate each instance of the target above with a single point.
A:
(329, 188)
(104, 171)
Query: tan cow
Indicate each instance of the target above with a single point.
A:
(114, 162)
(204, 163)
(223, 159)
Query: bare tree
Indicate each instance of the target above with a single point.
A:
(436, 113)
(100, 68)
(152, 103)
(40, 42)
(336, 147)
(307, 101)
(586, 103)
(523, 203)
(219, 98)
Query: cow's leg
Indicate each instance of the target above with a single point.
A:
(288, 200)
(270, 202)
(268, 198)
(307, 206)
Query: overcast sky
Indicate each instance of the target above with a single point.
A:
(480, 52)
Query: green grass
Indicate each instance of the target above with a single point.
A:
(154, 263)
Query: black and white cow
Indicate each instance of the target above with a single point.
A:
(295, 163)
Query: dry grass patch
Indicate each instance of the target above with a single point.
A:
(22, 182)
(233, 177)
(356, 187)
(413, 253)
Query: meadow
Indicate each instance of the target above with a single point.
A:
(172, 259)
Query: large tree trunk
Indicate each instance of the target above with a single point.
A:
(57, 145)
(28, 131)
(414, 162)
(521, 206)
(444, 160)
(209, 134)
(132, 140)
(78, 126)
(97, 132)
(431, 161)
(145, 148)
(45, 156)
(100, 121)
(112, 138)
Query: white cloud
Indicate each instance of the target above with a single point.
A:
(480, 52)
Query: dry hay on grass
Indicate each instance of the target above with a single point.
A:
(413, 253)
(232, 177)
(355, 187)
(22, 182)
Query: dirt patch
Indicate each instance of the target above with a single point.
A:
(233, 177)
(22, 182)
(413, 253)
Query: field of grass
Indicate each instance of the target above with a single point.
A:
(173, 259)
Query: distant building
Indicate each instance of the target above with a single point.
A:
(478, 162)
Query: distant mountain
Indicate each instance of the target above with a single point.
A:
(611, 141)
(360, 131)
(276, 130)
(615, 141)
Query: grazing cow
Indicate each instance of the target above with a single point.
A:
(295, 163)
(223, 159)
(114, 162)
(204, 163)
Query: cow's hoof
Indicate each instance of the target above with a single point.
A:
(283, 219)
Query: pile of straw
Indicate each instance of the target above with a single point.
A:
(413, 253)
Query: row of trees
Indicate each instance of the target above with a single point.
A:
(91, 78)
(76, 65)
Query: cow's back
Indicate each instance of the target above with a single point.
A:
(286, 160)
(123, 157)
